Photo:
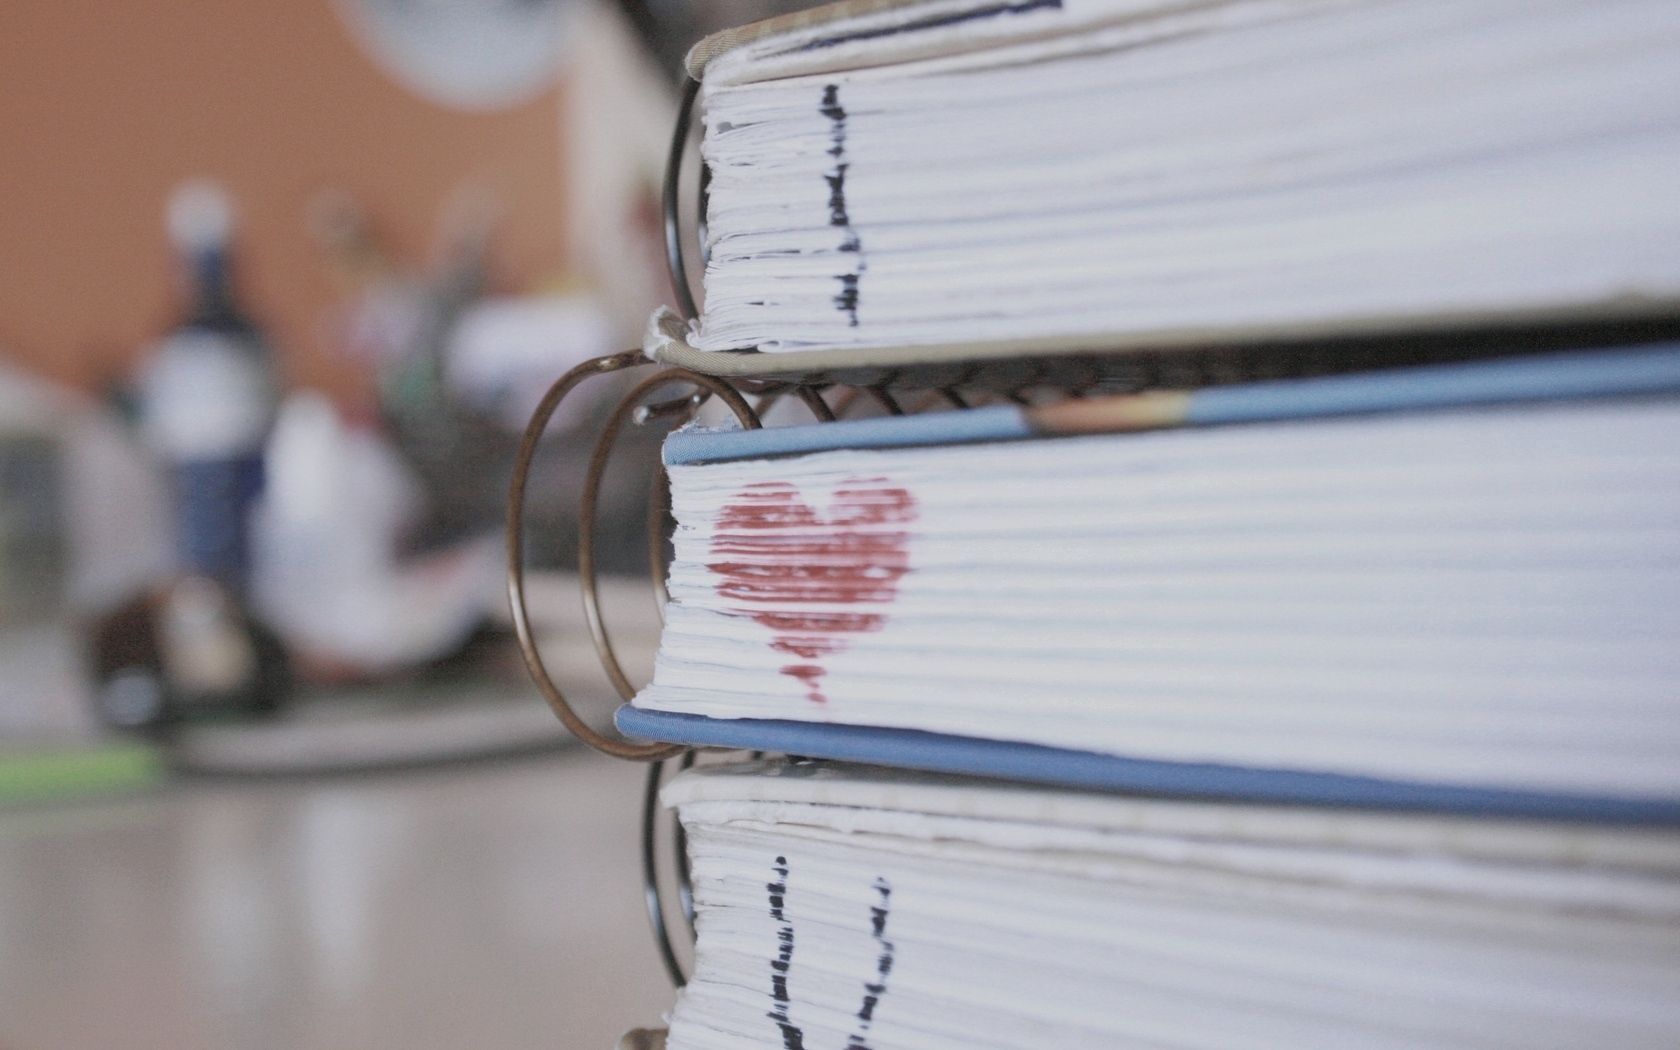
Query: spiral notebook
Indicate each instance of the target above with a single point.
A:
(1454, 587)
(899, 183)
(848, 907)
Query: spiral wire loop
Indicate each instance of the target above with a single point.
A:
(814, 401)
(673, 224)
(658, 513)
(556, 698)
(587, 575)
(888, 403)
(652, 895)
(679, 850)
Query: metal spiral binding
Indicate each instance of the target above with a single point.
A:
(642, 752)
(653, 896)
(628, 407)
(673, 224)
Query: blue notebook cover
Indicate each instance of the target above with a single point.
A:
(1651, 370)
(1034, 763)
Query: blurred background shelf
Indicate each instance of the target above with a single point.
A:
(375, 727)
(456, 715)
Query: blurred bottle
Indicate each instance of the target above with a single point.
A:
(206, 401)
(208, 395)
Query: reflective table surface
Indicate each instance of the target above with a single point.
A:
(481, 906)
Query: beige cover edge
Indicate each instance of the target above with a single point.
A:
(666, 339)
(726, 40)
(1489, 838)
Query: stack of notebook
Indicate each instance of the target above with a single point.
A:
(1329, 710)
(847, 907)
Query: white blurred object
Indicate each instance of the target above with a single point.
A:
(204, 401)
(115, 504)
(207, 388)
(328, 576)
(106, 515)
(199, 217)
(615, 126)
(117, 509)
(44, 692)
(467, 54)
(505, 352)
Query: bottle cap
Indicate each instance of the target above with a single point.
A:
(199, 216)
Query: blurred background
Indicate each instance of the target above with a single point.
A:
(279, 285)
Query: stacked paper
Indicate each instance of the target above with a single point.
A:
(1482, 597)
(1113, 167)
(844, 908)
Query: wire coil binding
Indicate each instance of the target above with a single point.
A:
(556, 698)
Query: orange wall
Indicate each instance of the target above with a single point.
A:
(105, 106)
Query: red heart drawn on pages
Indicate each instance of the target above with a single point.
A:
(772, 547)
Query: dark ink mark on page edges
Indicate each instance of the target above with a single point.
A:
(847, 299)
(874, 990)
(793, 1037)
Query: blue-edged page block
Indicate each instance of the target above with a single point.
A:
(996, 423)
(1651, 369)
(998, 759)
